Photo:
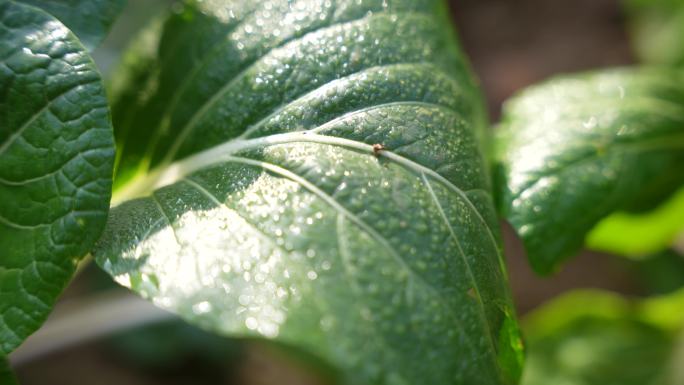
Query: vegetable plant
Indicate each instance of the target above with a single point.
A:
(322, 175)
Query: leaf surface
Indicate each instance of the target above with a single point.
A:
(598, 338)
(6, 375)
(657, 30)
(578, 148)
(262, 207)
(90, 20)
(643, 234)
(56, 155)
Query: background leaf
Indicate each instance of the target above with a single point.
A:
(6, 375)
(267, 212)
(577, 148)
(657, 29)
(591, 337)
(90, 20)
(640, 235)
(56, 155)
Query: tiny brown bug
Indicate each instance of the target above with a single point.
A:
(377, 147)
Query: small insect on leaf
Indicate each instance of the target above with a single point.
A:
(377, 147)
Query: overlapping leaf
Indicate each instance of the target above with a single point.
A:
(6, 376)
(310, 172)
(578, 148)
(657, 29)
(597, 338)
(56, 157)
(90, 20)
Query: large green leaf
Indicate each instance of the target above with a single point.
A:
(575, 149)
(56, 156)
(6, 375)
(268, 212)
(90, 20)
(657, 29)
(597, 338)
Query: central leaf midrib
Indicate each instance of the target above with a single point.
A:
(208, 104)
(381, 240)
(347, 274)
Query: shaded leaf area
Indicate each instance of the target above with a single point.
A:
(642, 234)
(657, 30)
(6, 375)
(577, 148)
(660, 273)
(90, 20)
(267, 211)
(56, 158)
(591, 337)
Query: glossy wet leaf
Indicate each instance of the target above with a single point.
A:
(56, 156)
(310, 173)
(89, 20)
(657, 30)
(6, 375)
(578, 148)
(596, 338)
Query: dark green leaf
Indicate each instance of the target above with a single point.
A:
(56, 155)
(90, 20)
(6, 375)
(577, 148)
(596, 338)
(273, 215)
(657, 29)
(660, 273)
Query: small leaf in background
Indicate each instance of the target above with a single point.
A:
(56, 158)
(639, 235)
(598, 338)
(660, 273)
(6, 375)
(657, 30)
(578, 148)
(312, 174)
(89, 20)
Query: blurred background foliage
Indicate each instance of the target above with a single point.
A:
(602, 320)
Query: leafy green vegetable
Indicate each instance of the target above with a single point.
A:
(6, 376)
(657, 28)
(591, 337)
(577, 148)
(56, 153)
(311, 174)
(90, 20)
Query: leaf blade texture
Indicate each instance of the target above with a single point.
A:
(316, 178)
(56, 159)
(89, 20)
(576, 149)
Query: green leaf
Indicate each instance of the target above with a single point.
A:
(578, 148)
(6, 375)
(660, 273)
(56, 155)
(90, 20)
(657, 30)
(268, 212)
(598, 338)
(640, 235)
